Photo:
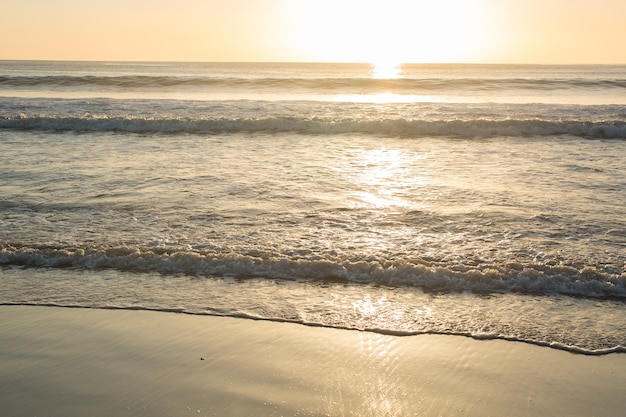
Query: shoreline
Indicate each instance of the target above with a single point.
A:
(384, 332)
(74, 362)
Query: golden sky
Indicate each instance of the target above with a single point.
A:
(382, 31)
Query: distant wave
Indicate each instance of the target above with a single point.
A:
(333, 85)
(515, 277)
(479, 128)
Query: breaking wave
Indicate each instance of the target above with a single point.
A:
(614, 129)
(587, 281)
(326, 84)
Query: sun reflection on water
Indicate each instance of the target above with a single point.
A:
(382, 394)
(381, 177)
(383, 98)
(382, 70)
(365, 306)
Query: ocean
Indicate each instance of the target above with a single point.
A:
(486, 201)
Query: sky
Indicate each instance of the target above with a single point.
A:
(378, 31)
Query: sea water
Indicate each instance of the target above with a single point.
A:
(478, 200)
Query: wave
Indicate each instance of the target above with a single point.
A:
(343, 85)
(314, 126)
(584, 281)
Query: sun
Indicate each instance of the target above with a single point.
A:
(389, 32)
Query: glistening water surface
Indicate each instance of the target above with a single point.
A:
(143, 187)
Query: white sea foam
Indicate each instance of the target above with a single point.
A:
(580, 327)
(538, 279)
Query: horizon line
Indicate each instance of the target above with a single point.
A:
(308, 62)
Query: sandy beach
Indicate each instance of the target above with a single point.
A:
(78, 362)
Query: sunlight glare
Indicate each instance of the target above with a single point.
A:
(383, 70)
(381, 175)
(390, 32)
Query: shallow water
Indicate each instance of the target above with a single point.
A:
(499, 216)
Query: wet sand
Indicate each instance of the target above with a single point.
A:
(77, 362)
